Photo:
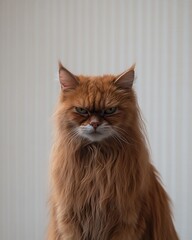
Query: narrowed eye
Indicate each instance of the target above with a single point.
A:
(81, 110)
(110, 110)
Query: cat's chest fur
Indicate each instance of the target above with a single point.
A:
(95, 186)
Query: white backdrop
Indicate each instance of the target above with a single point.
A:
(90, 37)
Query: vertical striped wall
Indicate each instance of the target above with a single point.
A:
(90, 37)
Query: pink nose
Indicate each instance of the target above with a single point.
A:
(95, 124)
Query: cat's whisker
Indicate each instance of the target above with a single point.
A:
(123, 134)
(73, 135)
(115, 136)
(120, 133)
(118, 141)
(122, 139)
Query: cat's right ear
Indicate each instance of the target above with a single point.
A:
(67, 79)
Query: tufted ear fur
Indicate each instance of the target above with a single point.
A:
(125, 80)
(67, 79)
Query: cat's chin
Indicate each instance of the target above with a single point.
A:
(94, 137)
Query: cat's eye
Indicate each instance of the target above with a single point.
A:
(81, 111)
(110, 110)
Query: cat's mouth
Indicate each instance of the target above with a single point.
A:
(94, 135)
(95, 132)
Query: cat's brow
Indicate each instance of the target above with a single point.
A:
(98, 111)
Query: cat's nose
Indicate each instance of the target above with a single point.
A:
(95, 124)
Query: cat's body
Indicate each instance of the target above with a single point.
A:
(103, 184)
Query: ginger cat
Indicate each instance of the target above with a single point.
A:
(104, 186)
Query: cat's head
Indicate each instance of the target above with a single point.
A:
(97, 108)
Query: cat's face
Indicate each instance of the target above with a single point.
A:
(95, 108)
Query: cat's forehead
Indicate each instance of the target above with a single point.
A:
(95, 91)
(96, 84)
(101, 81)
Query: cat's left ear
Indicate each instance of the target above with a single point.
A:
(126, 79)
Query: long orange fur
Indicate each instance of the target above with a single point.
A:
(104, 190)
